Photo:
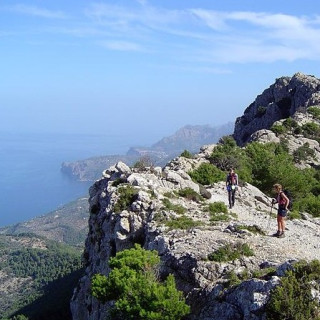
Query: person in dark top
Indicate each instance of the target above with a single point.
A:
(232, 185)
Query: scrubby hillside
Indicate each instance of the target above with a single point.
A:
(37, 277)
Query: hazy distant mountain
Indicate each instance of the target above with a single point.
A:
(190, 137)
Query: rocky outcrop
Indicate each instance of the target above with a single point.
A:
(282, 99)
(184, 253)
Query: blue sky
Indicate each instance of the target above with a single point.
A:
(146, 68)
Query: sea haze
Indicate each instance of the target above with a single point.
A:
(31, 183)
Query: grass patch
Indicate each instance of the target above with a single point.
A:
(218, 211)
(231, 252)
(182, 222)
(168, 205)
(190, 194)
(254, 229)
(169, 195)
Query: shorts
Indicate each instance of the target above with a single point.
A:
(282, 212)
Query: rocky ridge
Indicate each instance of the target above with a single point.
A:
(185, 252)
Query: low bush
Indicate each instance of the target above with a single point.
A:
(293, 298)
(230, 252)
(278, 129)
(310, 204)
(314, 111)
(182, 222)
(218, 207)
(127, 195)
(174, 207)
(133, 285)
(218, 211)
(207, 174)
(254, 229)
(303, 153)
(186, 154)
(190, 194)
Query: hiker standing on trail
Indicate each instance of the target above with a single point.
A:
(232, 185)
(283, 203)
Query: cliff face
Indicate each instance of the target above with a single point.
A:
(282, 99)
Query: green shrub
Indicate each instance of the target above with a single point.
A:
(117, 182)
(207, 174)
(190, 194)
(174, 207)
(186, 154)
(133, 284)
(261, 111)
(314, 111)
(182, 222)
(214, 217)
(127, 195)
(278, 129)
(290, 123)
(311, 130)
(310, 204)
(303, 153)
(143, 163)
(233, 278)
(263, 273)
(169, 195)
(292, 299)
(254, 229)
(218, 211)
(226, 154)
(294, 215)
(297, 130)
(230, 252)
(218, 207)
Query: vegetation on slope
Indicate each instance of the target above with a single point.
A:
(134, 286)
(43, 272)
(263, 165)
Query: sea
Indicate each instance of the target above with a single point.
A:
(31, 181)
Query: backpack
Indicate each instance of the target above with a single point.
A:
(232, 179)
(289, 196)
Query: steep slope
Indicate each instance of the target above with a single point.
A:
(35, 273)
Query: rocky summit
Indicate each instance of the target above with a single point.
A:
(185, 252)
(284, 98)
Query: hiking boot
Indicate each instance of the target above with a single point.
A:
(281, 235)
(277, 234)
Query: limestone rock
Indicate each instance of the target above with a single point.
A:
(284, 98)
(184, 253)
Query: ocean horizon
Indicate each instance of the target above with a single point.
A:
(32, 183)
